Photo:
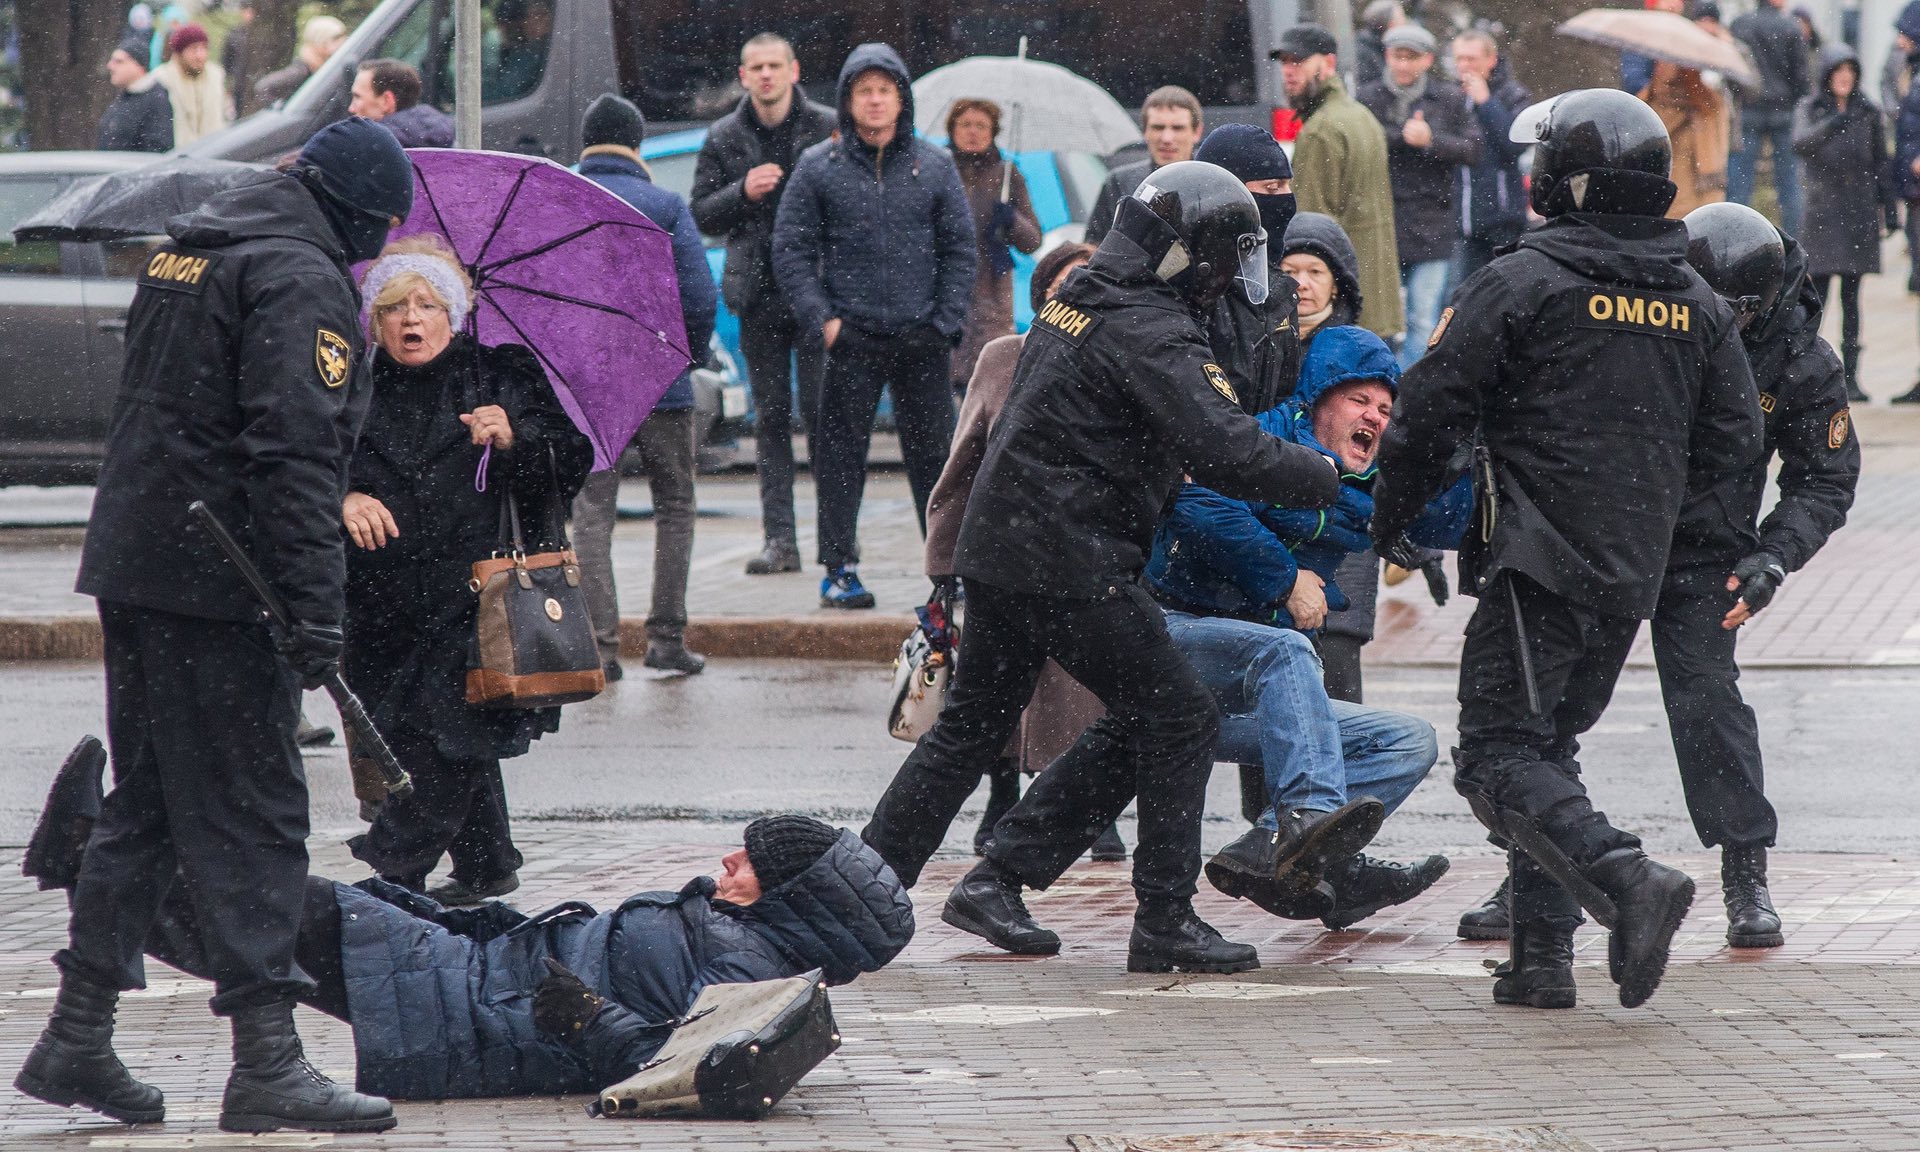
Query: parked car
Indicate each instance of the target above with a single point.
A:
(64, 310)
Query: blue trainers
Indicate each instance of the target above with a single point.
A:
(842, 589)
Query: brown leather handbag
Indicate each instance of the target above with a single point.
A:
(534, 639)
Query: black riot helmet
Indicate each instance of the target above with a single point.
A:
(1201, 231)
(1597, 150)
(1740, 254)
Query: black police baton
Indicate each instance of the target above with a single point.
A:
(353, 714)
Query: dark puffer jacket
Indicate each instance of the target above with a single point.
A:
(441, 1001)
(881, 239)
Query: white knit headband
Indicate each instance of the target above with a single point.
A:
(435, 270)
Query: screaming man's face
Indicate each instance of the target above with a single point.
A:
(1350, 419)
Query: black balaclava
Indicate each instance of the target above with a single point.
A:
(1251, 153)
(361, 178)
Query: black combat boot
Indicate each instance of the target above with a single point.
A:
(66, 822)
(74, 1062)
(1311, 840)
(1751, 920)
(1490, 921)
(1003, 792)
(1244, 871)
(987, 903)
(273, 1087)
(1539, 968)
(1108, 848)
(1362, 886)
(1177, 940)
(1650, 900)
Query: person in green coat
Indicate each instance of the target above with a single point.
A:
(1340, 169)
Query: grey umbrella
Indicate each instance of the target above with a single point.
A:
(1049, 109)
(135, 202)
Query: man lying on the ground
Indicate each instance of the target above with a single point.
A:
(1243, 586)
(449, 1003)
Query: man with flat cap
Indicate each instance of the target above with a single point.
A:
(243, 388)
(1340, 168)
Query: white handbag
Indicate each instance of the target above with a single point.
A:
(921, 673)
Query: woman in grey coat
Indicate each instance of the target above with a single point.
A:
(1841, 141)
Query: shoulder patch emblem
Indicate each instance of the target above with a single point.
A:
(1440, 329)
(1767, 402)
(333, 356)
(1218, 378)
(1839, 428)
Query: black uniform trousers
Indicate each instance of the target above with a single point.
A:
(1156, 743)
(1514, 760)
(209, 796)
(1715, 737)
(458, 808)
(858, 366)
(772, 343)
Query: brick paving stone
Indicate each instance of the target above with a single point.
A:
(1736, 1051)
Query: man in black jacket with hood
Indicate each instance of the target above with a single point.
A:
(1600, 376)
(1115, 398)
(243, 388)
(737, 183)
(140, 119)
(874, 247)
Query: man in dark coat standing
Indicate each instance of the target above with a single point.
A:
(241, 389)
(611, 134)
(389, 91)
(873, 246)
(1432, 133)
(737, 183)
(1116, 397)
(1493, 210)
(1171, 121)
(140, 119)
(1601, 376)
(1779, 54)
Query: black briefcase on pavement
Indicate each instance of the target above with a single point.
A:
(741, 1048)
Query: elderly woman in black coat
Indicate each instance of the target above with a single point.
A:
(1842, 142)
(453, 426)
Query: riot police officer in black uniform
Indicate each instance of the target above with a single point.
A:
(1598, 373)
(243, 388)
(1723, 569)
(1116, 396)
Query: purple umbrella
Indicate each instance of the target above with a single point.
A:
(568, 269)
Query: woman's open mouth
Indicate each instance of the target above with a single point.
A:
(412, 340)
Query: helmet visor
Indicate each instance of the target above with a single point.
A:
(1532, 119)
(1253, 267)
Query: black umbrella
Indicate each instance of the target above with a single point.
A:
(136, 201)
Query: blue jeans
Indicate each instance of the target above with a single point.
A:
(1756, 129)
(1426, 285)
(1316, 751)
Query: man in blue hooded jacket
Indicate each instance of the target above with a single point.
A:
(873, 246)
(1244, 585)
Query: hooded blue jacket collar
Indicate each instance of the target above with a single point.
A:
(1336, 356)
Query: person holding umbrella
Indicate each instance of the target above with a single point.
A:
(1003, 220)
(1696, 117)
(417, 520)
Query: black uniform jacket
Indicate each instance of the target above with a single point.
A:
(1599, 371)
(1259, 344)
(1803, 397)
(1115, 396)
(243, 387)
(410, 615)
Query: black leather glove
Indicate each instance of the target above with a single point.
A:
(563, 1004)
(1400, 550)
(1760, 576)
(313, 650)
(1434, 568)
